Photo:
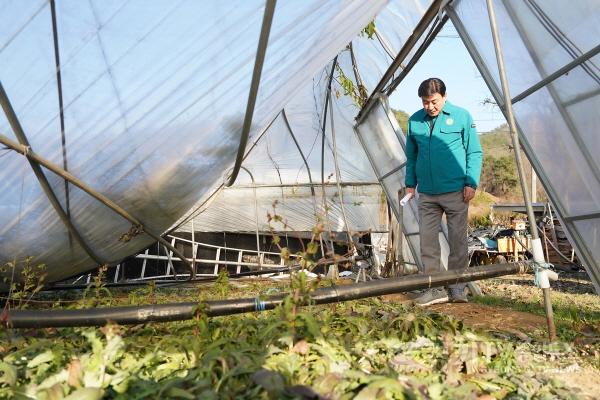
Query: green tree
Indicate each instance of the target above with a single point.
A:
(498, 175)
(402, 118)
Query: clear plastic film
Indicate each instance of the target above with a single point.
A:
(154, 96)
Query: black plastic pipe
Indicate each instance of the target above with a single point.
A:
(182, 311)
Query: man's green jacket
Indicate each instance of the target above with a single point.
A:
(446, 157)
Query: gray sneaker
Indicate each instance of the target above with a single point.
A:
(458, 295)
(432, 296)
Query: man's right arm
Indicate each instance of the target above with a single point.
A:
(410, 181)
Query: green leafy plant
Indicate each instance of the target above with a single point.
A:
(143, 295)
(411, 325)
(368, 30)
(24, 284)
(357, 92)
(222, 284)
(101, 294)
(480, 221)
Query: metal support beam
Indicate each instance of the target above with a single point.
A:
(428, 17)
(222, 186)
(37, 170)
(497, 94)
(36, 160)
(589, 159)
(413, 61)
(258, 65)
(557, 74)
(302, 185)
(393, 171)
(517, 149)
(61, 113)
(582, 217)
(511, 118)
(338, 174)
(591, 264)
(323, 140)
(581, 97)
(289, 127)
(583, 251)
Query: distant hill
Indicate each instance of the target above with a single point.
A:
(499, 173)
(497, 142)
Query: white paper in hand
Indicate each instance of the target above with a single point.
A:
(406, 199)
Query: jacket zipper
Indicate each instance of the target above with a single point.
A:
(431, 128)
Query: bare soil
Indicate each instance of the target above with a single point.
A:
(483, 317)
(490, 318)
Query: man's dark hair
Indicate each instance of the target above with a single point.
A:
(431, 86)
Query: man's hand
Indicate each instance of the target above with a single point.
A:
(468, 194)
(410, 190)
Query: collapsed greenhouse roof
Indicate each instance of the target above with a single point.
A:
(151, 109)
(146, 104)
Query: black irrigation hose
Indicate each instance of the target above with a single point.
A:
(132, 315)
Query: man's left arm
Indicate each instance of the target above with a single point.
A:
(474, 156)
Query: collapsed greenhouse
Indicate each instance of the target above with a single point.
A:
(156, 142)
(129, 126)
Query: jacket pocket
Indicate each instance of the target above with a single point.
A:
(451, 130)
(451, 135)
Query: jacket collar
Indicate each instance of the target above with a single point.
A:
(447, 110)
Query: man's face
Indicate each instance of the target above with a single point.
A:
(433, 104)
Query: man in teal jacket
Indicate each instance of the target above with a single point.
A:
(444, 164)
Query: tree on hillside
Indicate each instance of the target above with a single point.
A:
(498, 175)
(402, 118)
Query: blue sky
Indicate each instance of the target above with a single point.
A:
(448, 59)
